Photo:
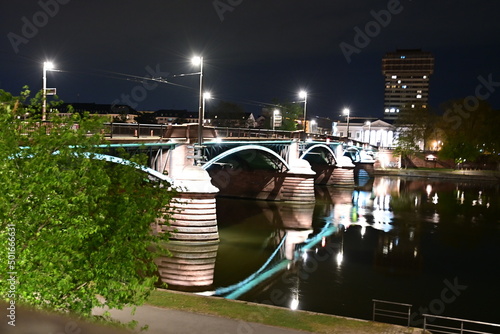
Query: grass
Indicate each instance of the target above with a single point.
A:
(268, 315)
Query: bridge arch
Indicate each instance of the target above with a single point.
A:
(326, 149)
(125, 162)
(279, 162)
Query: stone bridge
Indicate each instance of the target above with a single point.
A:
(275, 166)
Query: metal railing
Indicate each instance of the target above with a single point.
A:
(448, 325)
(134, 130)
(391, 310)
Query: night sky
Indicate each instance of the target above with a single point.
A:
(255, 52)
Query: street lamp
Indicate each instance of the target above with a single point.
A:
(47, 66)
(303, 95)
(347, 112)
(369, 130)
(199, 61)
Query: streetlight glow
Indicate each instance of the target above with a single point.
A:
(196, 60)
(48, 65)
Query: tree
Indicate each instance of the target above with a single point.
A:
(469, 131)
(414, 127)
(72, 227)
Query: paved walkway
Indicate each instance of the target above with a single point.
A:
(168, 321)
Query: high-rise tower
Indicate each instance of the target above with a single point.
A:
(406, 80)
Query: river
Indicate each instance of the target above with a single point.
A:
(429, 243)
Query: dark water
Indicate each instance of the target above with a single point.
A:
(432, 244)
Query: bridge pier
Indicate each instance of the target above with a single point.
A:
(364, 169)
(194, 212)
(298, 185)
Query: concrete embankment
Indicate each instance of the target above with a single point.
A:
(478, 175)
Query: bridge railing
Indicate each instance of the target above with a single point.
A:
(136, 130)
(225, 132)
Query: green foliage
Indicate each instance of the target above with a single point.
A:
(415, 127)
(469, 132)
(81, 226)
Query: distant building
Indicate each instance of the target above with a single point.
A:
(114, 112)
(231, 120)
(172, 116)
(320, 125)
(378, 132)
(406, 75)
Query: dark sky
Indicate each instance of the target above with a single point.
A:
(255, 51)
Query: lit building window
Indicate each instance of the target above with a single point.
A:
(395, 77)
(419, 96)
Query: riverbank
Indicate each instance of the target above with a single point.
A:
(248, 314)
(480, 175)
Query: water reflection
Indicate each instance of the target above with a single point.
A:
(190, 267)
(391, 239)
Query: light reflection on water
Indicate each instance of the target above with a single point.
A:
(398, 240)
(394, 239)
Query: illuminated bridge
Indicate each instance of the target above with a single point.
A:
(246, 163)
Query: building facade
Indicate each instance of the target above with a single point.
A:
(406, 75)
(377, 133)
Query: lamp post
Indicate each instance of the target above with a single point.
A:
(47, 66)
(369, 130)
(199, 61)
(347, 112)
(206, 96)
(303, 95)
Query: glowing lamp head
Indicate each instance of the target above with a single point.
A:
(303, 94)
(48, 65)
(196, 60)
